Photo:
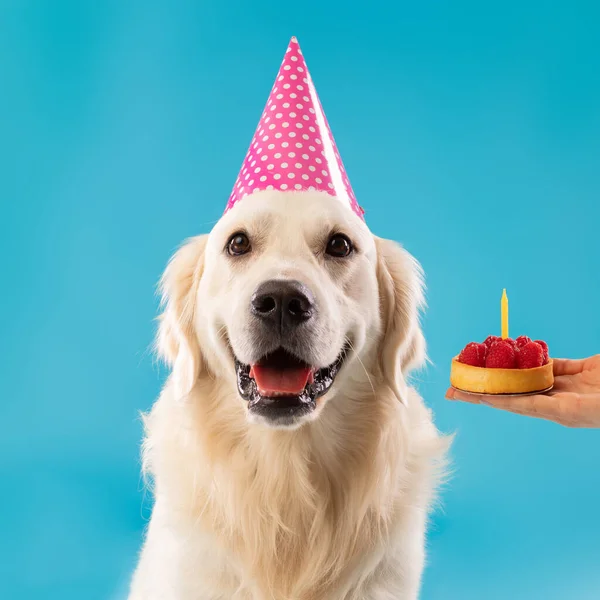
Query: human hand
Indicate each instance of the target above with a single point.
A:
(574, 401)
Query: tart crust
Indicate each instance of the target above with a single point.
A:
(500, 381)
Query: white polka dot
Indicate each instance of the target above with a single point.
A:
(284, 165)
(264, 157)
(271, 146)
(298, 165)
(293, 115)
(311, 168)
(318, 160)
(280, 78)
(278, 135)
(294, 58)
(305, 156)
(286, 86)
(279, 115)
(265, 138)
(299, 125)
(298, 145)
(299, 106)
(261, 132)
(305, 176)
(305, 136)
(244, 170)
(311, 188)
(285, 144)
(330, 185)
(251, 182)
(270, 187)
(259, 151)
(318, 141)
(277, 155)
(311, 110)
(285, 124)
(312, 148)
(263, 178)
(287, 68)
(252, 163)
(300, 69)
(324, 172)
(305, 98)
(305, 117)
(256, 145)
(292, 76)
(269, 102)
(305, 80)
(270, 166)
(286, 105)
(299, 87)
(273, 107)
(267, 119)
(284, 186)
(298, 186)
(257, 170)
(318, 180)
(277, 176)
(291, 154)
(292, 134)
(291, 175)
(272, 126)
(279, 96)
(292, 95)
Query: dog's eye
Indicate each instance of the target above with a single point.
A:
(238, 244)
(339, 246)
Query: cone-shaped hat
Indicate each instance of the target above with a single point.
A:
(293, 148)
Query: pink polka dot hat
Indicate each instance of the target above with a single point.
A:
(293, 148)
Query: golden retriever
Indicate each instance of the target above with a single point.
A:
(290, 458)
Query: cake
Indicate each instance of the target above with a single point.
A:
(503, 366)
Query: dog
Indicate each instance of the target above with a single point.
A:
(290, 458)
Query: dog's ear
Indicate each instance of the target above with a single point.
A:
(402, 347)
(176, 340)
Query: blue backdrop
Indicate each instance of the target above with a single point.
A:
(471, 133)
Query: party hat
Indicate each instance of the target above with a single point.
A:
(293, 148)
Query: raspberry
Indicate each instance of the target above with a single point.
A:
(531, 355)
(522, 340)
(491, 339)
(501, 356)
(511, 342)
(544, 349)
(473, 354)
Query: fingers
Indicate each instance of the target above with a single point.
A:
(568, 409)
(533, 406)
(567, 366)
(454, 394)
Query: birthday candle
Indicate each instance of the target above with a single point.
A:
(504, 314)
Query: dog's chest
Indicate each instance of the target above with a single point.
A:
(299, 545)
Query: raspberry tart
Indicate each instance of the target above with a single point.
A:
(503, 366)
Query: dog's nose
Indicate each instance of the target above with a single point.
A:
(283, 303)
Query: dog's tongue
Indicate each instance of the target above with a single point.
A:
(272, 381)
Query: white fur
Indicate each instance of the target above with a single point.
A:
(334, 509)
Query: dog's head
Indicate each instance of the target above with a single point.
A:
(288, 299)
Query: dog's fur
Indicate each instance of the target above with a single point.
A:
(333, 509)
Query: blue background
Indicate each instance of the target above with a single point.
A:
(471, 133)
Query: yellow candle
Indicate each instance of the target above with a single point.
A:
(504, 314)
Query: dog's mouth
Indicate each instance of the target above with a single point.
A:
(282, 387)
